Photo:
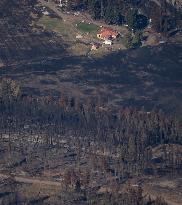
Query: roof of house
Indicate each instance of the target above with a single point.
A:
(107, 32)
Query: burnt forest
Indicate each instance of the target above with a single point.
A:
(90, 120)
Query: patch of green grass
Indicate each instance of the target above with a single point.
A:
(49, 23)
(86, 27)
(67, 31)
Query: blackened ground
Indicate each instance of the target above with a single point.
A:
(146, 77)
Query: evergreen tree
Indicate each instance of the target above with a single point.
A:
(128, 40)
(94, 7)
(110, 15)
(136, 41)
(131, 18)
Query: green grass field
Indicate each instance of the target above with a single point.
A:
(86, 27)
(67, 31)
(49, 23)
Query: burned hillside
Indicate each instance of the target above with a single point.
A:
(84, 130)
(20, 42)
(90, 151)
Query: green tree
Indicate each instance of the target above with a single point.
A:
(131, 18)
(94, 8)
(109, 16)
(136, 41)
(127, 40)
(113, 15)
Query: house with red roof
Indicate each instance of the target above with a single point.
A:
(107, 33)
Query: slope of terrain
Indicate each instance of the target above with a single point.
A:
(149, 77)
(145, 77)
(49, 138)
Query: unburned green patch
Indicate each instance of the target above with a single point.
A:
(87, 27)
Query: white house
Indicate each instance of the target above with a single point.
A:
(107, 42)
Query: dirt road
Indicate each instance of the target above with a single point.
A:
(170, 190)
(29, 180)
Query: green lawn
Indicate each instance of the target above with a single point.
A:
(86, 27)
(67, 31)
(49, 23)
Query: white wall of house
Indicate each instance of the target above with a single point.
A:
(108, 42)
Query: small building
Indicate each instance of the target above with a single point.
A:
(79, 36)
(107, 33)
(94, 46)
(46, 13)
(108, 42)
